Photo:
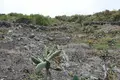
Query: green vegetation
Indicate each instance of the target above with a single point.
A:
(45, 61)
(3, 31)
(75, 77)
(38, 19)
(28, 19)
(100, 16)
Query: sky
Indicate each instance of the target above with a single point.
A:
(57, 7)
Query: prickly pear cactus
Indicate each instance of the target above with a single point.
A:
(75, 78)
(45, 62)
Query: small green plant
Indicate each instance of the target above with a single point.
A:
(3, 31)
(90, 42)
(75, 77)
(111, 43)
(110, 73)
(45, 61)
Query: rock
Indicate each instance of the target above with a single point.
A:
(18, 27)
(2, 79)
(33, 26)
(32, 45)
(36, 38)
(77, 46)
(26, 47)
(2, 36)
(15, 35)
(43, 28)
(5, 24)
(32, 35)
(111, 51)
(10, 31)
(50, 38)
(85, 46)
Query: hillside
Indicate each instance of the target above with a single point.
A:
(92, 46)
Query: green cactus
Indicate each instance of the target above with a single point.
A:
(40, 66)
(56, 53)
(35, 60)
(44, 63)
(75, 77)
(46, 52)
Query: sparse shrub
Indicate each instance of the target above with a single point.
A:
(111, 43)
(111, 74)
(41, 20)
(90, 42)
(24, 20)
(3, 31)
(88, 29)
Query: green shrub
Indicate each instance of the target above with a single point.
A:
(24, 20)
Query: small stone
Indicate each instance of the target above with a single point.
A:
(26, 47)
(50, 38)
(71, 73)
(36, 38)
(32, 35)
(10, 31)
(2, 79)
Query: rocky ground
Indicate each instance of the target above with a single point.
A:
(18, 42)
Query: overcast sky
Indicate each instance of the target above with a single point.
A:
(57, 7)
